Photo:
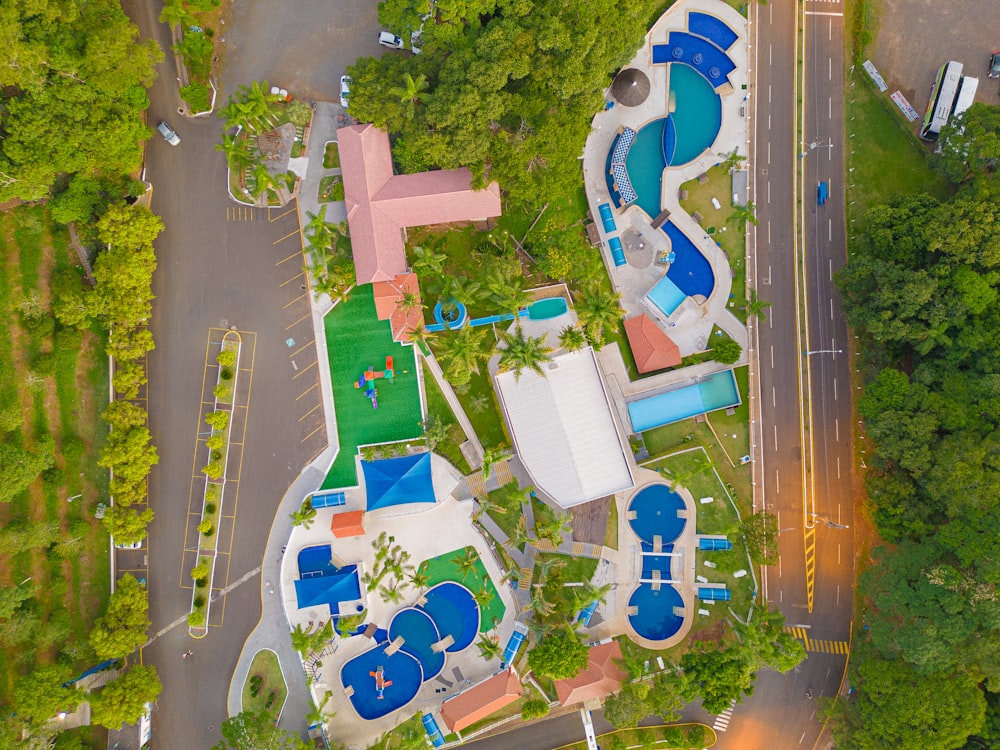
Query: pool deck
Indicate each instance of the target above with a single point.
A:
(691, 323)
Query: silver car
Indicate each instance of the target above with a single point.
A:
(168, 133)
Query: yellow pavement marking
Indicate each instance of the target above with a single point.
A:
(286, 306)
(809, 540)
(285, 283)
(310, 411)
(282, 239)
(312, 433)
(304, 370)
(239, 213)
(283, 260)
(304, 317)
(311, 388)
(279, 216)
(304, 346)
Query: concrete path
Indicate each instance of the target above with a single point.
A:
(324, 129)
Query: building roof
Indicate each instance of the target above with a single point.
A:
(602, 676)
(380, 204)
(478, 702)
(397, 481)
(331, 589)
(651, 347)
(388, 295)
(563, 429)
(348, 524)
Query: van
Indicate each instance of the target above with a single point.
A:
(390, 40)
(822, 192)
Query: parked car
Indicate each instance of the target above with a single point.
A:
(390, 40)
(345, 91)
(822, 192)
(993, 71)
(134, 545)
(416, 42)
(168, 133)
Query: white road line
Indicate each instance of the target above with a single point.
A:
(770, 14)
(838, 585)
(830, 67)
(776, 438)
(831, 268)
(777, 488)
(772, 356)
(769, 221)
(774, 397)
(836, 432)
(829, 33)
(769, 161)
(829, 108)
(829, 235)
(821, 13)
(831, 308)
(768, 192)
(838, 467)
(768, 93)
(834, 389)
(769, 53)
(769, 122)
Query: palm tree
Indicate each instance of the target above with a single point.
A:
(381, 546)
(489, 647)
(408, 301)
(572, 339)
(409, 92)
(508, 294)
(299, 113)
(301, 640)
(320, 234)
(685, 474)
(467, 562)
(492, 455)
(598, 310)
(519, 536)
(483, 596)
(305, 515)
(746, 213)
(553, 530)
(237, 151)
(462, 353)
(587, 594)
(548, 565)
(429, 260)
(756, 306)
(461, 289)
(258, 106)
(391, 593)
(539, 606)
(175, 12)
(261, 179)
(522, 352)
(419, 336)
(732, 160)
(418, 579)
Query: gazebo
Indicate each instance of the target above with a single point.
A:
(631, 87)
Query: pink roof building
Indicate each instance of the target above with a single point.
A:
(652, 348)
(478, 702)
(602, 676)
(380, 205)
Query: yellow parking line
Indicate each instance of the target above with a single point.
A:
(286, 306)
(292, 325)
(284, 260)
(285, 283)
(304, 370)
(280, 216)
(282, 239)
(312, 433)
(314, 386)
(304, 346)
(310, 411)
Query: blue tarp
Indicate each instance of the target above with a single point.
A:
(342, 586)
(431, 726)
(395, 481)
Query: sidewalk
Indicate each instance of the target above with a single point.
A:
(324, 129)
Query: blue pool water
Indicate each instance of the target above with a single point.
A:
(689, 270)
(316, 561)
(400, 668)
(656, 619)
(655, 509)
(666, 296)
(697, 116)
(711, 28)
(644, 164)
(419, 634)
(455, 613)
(544, 309)
(659, 563)
(702, 55)
(718, 391)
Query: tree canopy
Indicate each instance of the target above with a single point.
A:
(559, 655)
(252, 731)
(122, 629)
(124, 700)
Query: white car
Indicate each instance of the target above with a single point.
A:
(345, 91)
(168, 133)
(390, 40)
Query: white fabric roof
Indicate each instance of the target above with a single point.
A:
(563, 429)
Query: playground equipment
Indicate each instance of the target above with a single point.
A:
(368, 378)
(380, 682)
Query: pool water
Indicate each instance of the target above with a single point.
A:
(544, 309)
(455, 613)
(400, 668)
(419, 635)
(656, 619)
(644, 164)
(666, 296)
(718, 391)
(655, 508)
(697, 115)
(690, 271)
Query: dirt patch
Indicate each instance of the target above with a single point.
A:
(715, 633)
(915, 38)
(590, 521)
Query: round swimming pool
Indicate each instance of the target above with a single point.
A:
(654, 617)
(696, 116)
(400, 669)
(653, 513)
(454, 611)
(419, 635)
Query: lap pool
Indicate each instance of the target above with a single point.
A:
(718, 391)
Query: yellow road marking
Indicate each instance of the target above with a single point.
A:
(310, 411)
(304, 370)
(311, 388)
(286, 306)
(285, 283)
(282, 239)
(312, 433)
(279, 216)
(304, 317)
(284, 260)
(304, 346)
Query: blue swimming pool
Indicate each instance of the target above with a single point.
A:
(659, 563)
(666, 296)
(551, 307)
(655, 509)
(419, 634)
(316, 561)
(644, 165)
(718, 391)
(711, 28)
(400, 668)
(455, 613)
(695, 114)
(690, 271)
(655, 618)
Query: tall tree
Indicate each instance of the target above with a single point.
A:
(123, 627)
(520, 352)
(123, 701)
(255, 731)
(559, 655)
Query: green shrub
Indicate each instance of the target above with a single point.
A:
(199, 601)
(696, 736)
(209, 508)
(200, 571)
(270, 699)
(206, 527)
(44, 364)
(674, 736)
(215, 442)
(226, 358)
(196, 619)
(256, 683)
(226, 373)
(211, 493)
(220, 391)
(338, 192)
(212, 470)
(201, 583)
(198, 97)
(533, 709)
(196, 49)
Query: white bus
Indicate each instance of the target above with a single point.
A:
(966, 95)
(942, 100)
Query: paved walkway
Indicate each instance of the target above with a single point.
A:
(324, 129)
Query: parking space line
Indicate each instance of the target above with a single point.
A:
(304, 370)
(293, 255)
(313, 387)
(307, 316)
(282, 239)
(310, 411)
(304, 346)
(312, 433)
(285, 283)
(285, 307)
(279, 216)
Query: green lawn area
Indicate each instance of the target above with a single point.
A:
(508, 498)
(265, 664)
(674, 737)
(886, 157)
(439, 410)
(444, 568)
(357, 340)
(611, 530)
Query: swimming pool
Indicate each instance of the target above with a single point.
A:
(718, 391)
(455, 613)
(655, 509)
(316, 561)
(399, 668)
(419, 634)
(551, 307)
(689, 270)
(655, 618)
(666, 296)
(645, 164)
(696, 115)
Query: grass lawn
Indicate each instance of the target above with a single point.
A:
(357, 340)
(444, 568)
(723, 227)
(887, 159)
(439, 410)
(715, 517)
(331, 155)
(672, 737)
(265, 664)
(508, 498)
(328, 192)
(611, 530)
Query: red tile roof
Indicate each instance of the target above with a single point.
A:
(380, 204)
(348, 524)
(388, 295)
(478, 702)
(651, 347)
(602, 676)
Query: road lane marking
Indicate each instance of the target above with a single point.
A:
(285, 260)
(304, 370)
(836, 430)
(821, 13)
(834, 389)
(280, 216)
(768, 93)
(831, 268)
(769, 192)
(831, 308)
(829, 34)
(829, 61)
(776, 438)
(769, 161)
(838, 467)
(774, 397)
(829, 109)
(770, 60)
(286, 283)
(302, 296)
(772, 356)
(282, 239)
(829, 235)
(310, 411)
(777, 484)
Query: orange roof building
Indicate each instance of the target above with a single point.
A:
(602, 676)
(380, 204)
(402, 318)
(651, 347)
(348, 524)
(478, 702)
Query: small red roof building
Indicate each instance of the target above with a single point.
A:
(602, 676)
(651, 347)
(478, 702)
(348, 524)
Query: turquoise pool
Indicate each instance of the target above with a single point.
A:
(718, 391)
(697, 115)
(666, 296)
(644, 164)
(551, 307)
